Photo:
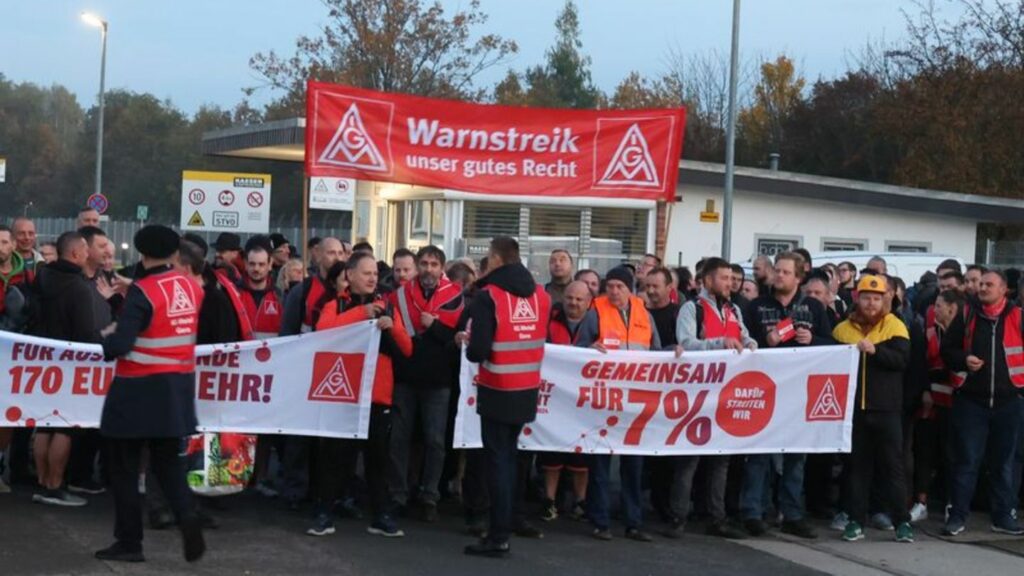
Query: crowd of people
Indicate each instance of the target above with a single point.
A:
(937, 401)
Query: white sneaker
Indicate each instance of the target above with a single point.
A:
(839, 522)
(949, 507)
(918, 512)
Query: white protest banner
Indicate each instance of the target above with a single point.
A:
(316, 384)
(786, 400)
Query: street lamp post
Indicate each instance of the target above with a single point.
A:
(730, 135)
(94, 20)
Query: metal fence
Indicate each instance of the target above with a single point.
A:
(121, 232)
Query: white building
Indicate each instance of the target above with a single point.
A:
(772, 211)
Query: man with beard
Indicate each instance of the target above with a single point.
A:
(784, 319)
(560, 269)
(430, 306)
(403, 269)
(763, 274)
(884, 344)
(261, 301)
(972, 278)
(228, 254)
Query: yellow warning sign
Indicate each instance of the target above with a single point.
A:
(196, 219)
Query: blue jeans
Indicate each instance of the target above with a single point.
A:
(979, 431)
(631, 469)
(500, 452)
(756, 476)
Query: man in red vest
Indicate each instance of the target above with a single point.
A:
(984, 345)
(262, 303)
(507, 330)
(151, 401)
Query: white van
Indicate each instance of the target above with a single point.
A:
(906, 265)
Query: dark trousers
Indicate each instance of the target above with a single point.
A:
(335, 464)
(631, 469)
(295, 467)
(500, 459)
(932, 451)
(430, 407)
(716, 477)
(877, 454)
(979, 431)
(167, 462)
(85, 447)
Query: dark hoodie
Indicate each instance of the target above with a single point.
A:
(508, 407)
(62, 305)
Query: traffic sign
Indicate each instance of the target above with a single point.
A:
(98, 202)
(142, 212)
(225, 201)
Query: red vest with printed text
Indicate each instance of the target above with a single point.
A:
(265, 318)
(1013, 345)
(714, 325)
(519, 338)
(167, 345)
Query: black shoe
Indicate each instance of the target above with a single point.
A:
(348, 508)
(755, 527)
(87, 487)
(638, 535)
(675, 531)
(161, 519)
(488, 549)
(799, 528)
(207, 521)
(118, 552)
(527, 530)
(192, 536)
(602, 534)
(428, 512)
(725, 530)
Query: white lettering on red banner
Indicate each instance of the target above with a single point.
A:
(626, 402)
(316, 384)
(363, 134)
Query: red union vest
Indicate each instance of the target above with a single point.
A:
(519, 337)
(558, 332)
(942, 392)
(316, 290)
(1013, 345)
(266, 318)
(167, 345)
(715, 326)
(244, 322)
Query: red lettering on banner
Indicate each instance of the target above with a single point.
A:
(79, 356)
(600, 397)
(369, 135)
(746, 404)
(94, 380)
(655, 372)
(220, 359)
(234, 387)
(826, 397)
(24, 379)
(31, 352)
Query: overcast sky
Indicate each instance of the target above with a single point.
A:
(196, 52)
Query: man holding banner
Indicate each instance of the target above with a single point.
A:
(151, 401)
(507, 329)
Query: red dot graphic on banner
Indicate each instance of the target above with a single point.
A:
(746, 404)
(263, 354)
(578, 449)
(471, 401)
(13, 414)
(527, 431)
(613, 420)
(30, 423)
(603, 432)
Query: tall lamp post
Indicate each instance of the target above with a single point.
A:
(94, 20)
(730, 135)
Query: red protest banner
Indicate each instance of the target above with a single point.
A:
(369, 135)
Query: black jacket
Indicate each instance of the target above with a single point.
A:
(433, 354)
(881, 375)
(62, 304)
(764, 312)
(158, 406)
(520, 406)
(991, 384)
(218, 320)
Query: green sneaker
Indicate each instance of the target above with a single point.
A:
(853, 532)
(904, 533)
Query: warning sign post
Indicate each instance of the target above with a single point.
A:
(225, 202)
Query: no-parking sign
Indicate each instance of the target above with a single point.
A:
(225, 202)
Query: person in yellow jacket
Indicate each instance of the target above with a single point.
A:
(884, 344)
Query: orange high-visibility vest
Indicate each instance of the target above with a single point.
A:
(613, 333)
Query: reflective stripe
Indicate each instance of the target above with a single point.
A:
(1015, 350)
(264, 335)
(403, 309)
(522, 345)
(166, 342)
(305, 328)
(511, 368)
(1016, 370)
(942, 388)
(635, 346)
(141, 358)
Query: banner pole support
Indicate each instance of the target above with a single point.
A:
(305, 221)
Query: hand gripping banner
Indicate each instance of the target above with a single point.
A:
(316, 384)
(787, 400)
(356, 133)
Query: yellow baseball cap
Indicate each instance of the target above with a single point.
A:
(872, 284)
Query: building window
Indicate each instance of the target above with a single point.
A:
(617, 235)
(551, 228)
(843, 245)
(772, 245)
(485, 220)
(913, 247)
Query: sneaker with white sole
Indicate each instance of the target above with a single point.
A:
(58, 497)
(1008, 526)
(839, 522)
(953, 527)
(881, 521)
(918, 513)
(385, 526)
(853, 532)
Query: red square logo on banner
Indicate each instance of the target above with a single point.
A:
(336, 377)
(826, 396)
(633, 153)
(353, 133)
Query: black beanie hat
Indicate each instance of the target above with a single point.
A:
(622, 274)
(157, 241)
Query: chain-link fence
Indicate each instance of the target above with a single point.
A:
(121, 232)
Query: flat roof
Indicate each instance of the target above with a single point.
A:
(284, 140)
